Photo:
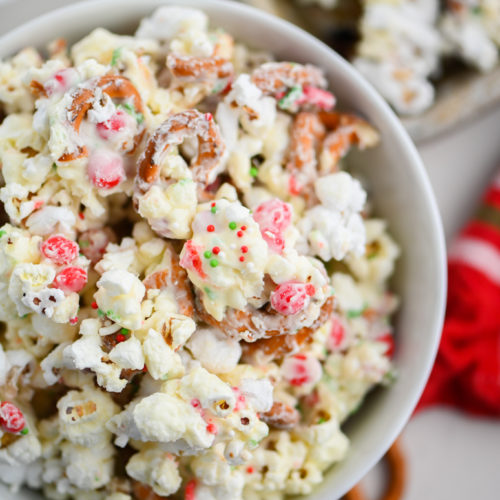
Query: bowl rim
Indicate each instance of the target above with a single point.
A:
(9, 43)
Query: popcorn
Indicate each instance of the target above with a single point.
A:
(82, 414)
(216, 353)
(157, 469)
(161, 418)
(105, 315)
(162, 362)
(335, 228)
(119, 295)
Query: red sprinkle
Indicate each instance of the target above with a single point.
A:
(144, 369)
(244, 249)
(216, 250)
(11, 417)
(208, 117)
(190, 491)
(298, 381)
(195, 403)
(210, 228)
(388, 339)
(59, 250)
(71, 279)
(73, 321)
(81, 215)
(213, 204)
(293, 187)
(94, 305)
(242, 259)
(212, 428)
(300, 356)
(239, 234)
(191, 259)
(120, 337)
(243, 228)
(250, 469)
(310, 290)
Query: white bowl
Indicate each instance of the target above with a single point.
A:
(400, 191)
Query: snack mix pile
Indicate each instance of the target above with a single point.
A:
(193, 291)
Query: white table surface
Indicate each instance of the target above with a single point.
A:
(450, 455)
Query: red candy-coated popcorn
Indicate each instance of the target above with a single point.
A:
(116, 123)
(301, 369)
(71, 279)
(11, 417)
(290, 298)
(105, 169)
(336, 336)
(59, 250)
(273, 217)
(317, 97)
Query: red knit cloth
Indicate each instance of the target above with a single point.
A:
(467, 369)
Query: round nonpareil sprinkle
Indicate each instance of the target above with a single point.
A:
(233, 225)
(214, 263)
(210, 228)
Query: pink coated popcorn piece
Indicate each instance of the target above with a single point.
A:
(116, 123)
(59, 250)
(71, 279)
(301, 369)
(336, 336)
(273, 215)
(318, 98)
(11, 417)
(290, 298)
(105, 169)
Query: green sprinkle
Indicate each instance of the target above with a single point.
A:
(116, 55)
(84, 244)
(100, 313)
(2, 232)
(132, 112)
(253, 443)
(214, 263)
(213, 209)
(254, 172)
(353, 313)
(291, 96)
(24, 316)
(209, 292)
(207, 254)
(124, 331)
(24, 431)
(54, 166)
(232, 225)
(322, 420)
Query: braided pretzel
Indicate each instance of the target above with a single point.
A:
(397, 467)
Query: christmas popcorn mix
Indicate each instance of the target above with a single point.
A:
(194, 294)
